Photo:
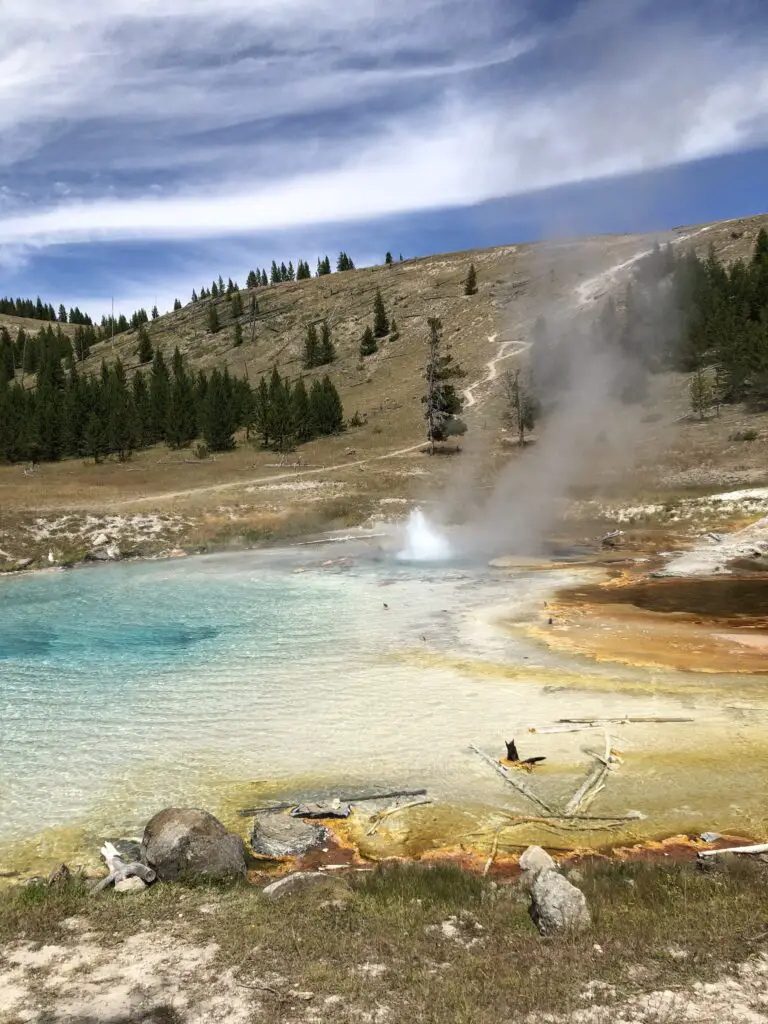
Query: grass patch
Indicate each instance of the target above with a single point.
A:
(380, 940)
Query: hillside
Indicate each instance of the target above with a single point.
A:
(375, 469)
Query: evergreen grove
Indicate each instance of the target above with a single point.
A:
(71, 414)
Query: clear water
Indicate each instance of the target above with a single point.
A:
(131, 687)
(128, 688)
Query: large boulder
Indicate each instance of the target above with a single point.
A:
(184, 843)
(557, 905)
(280, 835)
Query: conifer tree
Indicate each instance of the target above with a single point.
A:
(442, 404)
(194, 295)
(7, 361)
(311, 347)
(144, 348)
(264, 281)
(380, 321)
(253, 280)
(176, 305)
(261, 418)
(155, 313)
(394, 333)
(290, 273)
(368, 343)
(181, 418)
(302, 421)
(62, 313)
(218, 421)
(214, 291)
(121, 414)
(327, 350)
(221, 285)
(701, 393)
(237, 335)
(280, 412)
(159, 396)
(236, 305)
(143, 410)
(522, 407)
(470, 284)
(388, 259)
(213, 318)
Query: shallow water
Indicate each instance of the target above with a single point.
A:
(219, 680)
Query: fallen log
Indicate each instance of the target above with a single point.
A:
(754, 849)
(516, 783)
(628, 720)
(593, 784)
(248, 812)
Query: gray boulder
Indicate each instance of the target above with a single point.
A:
(280, 835)
(535, 859)
(190, 843)
(296, 882)
(557, 905)
(130, 884)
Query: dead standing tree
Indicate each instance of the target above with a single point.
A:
(522, 408)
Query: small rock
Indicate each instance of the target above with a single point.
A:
(100, 540)
(556, 905)
(60, 876)
(280, 835)
(131, 884)
(535, 859)
(296, 882)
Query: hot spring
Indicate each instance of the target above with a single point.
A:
(220, 680)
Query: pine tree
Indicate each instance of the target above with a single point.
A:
(213, 319)
(121, 414)
(261, 414)
(281, 427)
(218, 421)
(290, 274)
(159, 396)
(368, 343)
(221, 285)
(236, 305)
(7, 367)
(394, 333)
(144, 348)
(302, 421)
(253, 280)
(470, 284)
(442, 403)
(176, 305)
(230, 287)
(274, 274)
(194, 295)
(143, 409)
(333, 409)
(237, 335)
(311, 348)
(181, 417)
(264, 281)
(701, 393)
(380, 321)
(327, 350)
(62, 313)
(344, 262)
(388, 259)
(155, 313)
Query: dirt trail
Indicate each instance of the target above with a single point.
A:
(506, 350)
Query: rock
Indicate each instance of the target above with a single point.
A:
(535, 859)
(100, 540)
(60, 876)
(296, 882)
(190, 843)
(556, 905)
(110, 553)
(280, 835)
(23, 563)
(131, 884)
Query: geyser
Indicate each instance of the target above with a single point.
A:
(423, 541)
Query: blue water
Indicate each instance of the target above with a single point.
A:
(127, 688)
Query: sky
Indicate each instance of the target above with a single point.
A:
(146, 146)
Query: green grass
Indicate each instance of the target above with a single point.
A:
(655, 927)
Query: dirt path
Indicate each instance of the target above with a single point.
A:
(506, 350)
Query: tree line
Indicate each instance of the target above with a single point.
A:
(69, 413)
(39, 310)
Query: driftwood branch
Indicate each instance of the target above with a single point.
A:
(593, 784)
(378, 818)
(248, 812)
(757, 848)
(518, 784)
(622, 721)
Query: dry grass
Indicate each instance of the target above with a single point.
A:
(379, 942)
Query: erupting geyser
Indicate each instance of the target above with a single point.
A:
(423, 542)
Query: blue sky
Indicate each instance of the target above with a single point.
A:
(149, 145)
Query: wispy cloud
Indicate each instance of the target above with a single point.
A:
(192, 119)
